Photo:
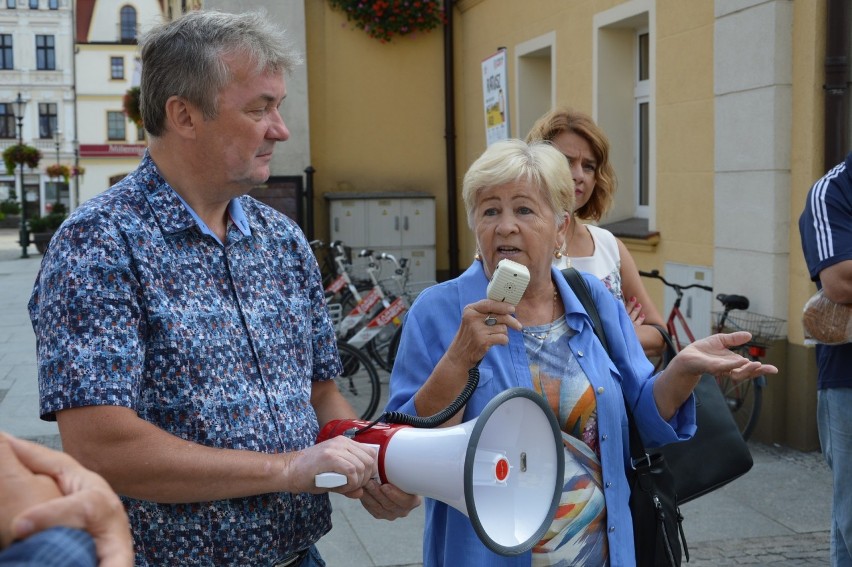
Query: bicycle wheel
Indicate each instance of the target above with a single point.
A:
(379, 347)
(744, 399)
(359, 381)
(394, 346)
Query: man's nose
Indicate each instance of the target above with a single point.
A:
(277, 128)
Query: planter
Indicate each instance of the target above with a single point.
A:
(41, 240)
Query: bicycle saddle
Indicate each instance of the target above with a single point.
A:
(733, 301)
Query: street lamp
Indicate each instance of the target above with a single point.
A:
(20, 105)
(57, 137)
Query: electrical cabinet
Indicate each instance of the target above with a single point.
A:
(398, 223)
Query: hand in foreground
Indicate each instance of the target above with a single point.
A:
(387, 502)
(634, 310)
(356, 461)
(711, 355)
(20, 489)
(84, 501)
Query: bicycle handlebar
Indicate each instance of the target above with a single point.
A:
(656, 275)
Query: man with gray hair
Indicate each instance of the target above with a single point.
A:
(183, 343)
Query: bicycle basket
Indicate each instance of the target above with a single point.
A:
(763, 328)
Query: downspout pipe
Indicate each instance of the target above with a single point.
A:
(836, 85)
(450, 139)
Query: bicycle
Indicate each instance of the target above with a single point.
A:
(744, 399)
(357, 332)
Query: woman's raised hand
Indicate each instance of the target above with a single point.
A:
(712, 355)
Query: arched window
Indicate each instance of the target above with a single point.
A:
(128, 24)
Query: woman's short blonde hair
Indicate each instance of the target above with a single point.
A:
(564, 119)
(514, 160)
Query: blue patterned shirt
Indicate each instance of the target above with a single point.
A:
(136, 306)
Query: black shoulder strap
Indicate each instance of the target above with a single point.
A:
(581, 290)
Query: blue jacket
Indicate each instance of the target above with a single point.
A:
(431, 324)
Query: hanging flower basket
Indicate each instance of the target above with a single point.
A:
(59, 170)
(384, 19)
(20, 154)
(78, 171)
(130, 102)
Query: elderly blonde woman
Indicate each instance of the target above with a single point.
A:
(516, 196)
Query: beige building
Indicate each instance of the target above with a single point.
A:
(716, 113)
(106, 66)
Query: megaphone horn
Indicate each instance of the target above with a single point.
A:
(503, 470)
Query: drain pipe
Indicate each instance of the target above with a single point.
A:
(450, 137)
(836, 85)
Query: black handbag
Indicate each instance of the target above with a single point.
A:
(717, 435)
(657, 521)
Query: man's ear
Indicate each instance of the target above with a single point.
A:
(181, 117)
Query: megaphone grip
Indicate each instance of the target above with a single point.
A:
(329, 480)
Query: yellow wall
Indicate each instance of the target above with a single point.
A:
(376, 114)
(684, 121)
(808, 144)
(377, 122)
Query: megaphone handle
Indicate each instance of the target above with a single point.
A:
(329, 480)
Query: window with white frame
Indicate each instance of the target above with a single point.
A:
(45, 52)
(624, 109)
(48, 120)
(8, 129)
(127, 24)
(7, 59)
(116, 67)
(641, 95)
(116, 126)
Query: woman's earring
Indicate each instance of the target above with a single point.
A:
(557, 253)
(476, 256)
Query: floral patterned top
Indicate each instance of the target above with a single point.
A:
(137, 306)
(604, 263)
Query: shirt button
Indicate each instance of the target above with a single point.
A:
(600, 389)
(611, 529)
(604, 437)
(580, 353)
(608, 484)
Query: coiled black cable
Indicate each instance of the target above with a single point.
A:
(433, 420)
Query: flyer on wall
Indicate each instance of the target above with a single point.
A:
(494, 93)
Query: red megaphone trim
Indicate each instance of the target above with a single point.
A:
(378, 434)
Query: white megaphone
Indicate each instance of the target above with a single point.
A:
(503, 470)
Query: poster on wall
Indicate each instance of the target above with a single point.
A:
(494, 93)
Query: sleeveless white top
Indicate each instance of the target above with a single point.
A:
(604, 263)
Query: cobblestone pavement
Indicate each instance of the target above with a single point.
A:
(802, 549)
(808, 549)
